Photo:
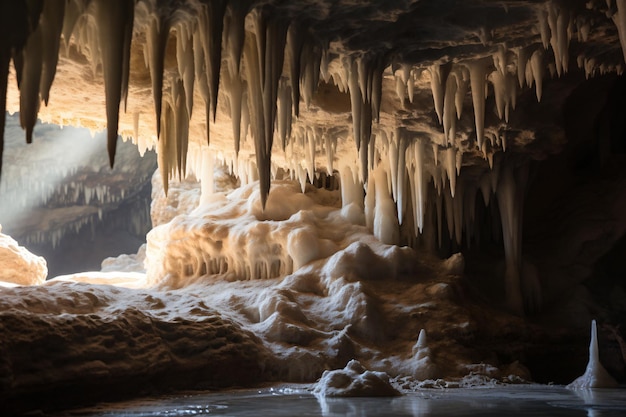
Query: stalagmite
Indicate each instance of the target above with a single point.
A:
(595, 375)
(385, 220)
(115, 50)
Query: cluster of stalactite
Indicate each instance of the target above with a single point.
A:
(267, 63)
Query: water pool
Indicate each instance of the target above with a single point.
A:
(508, 401)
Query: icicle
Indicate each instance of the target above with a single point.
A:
(115, 50)
(477, 71)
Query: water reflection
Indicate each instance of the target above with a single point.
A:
(509, 401)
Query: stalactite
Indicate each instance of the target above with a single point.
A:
(157, 37)
(51, 26)
(401, 170)
(477, 70)
(284, 109)
(74, 9)
(620, 22)
(310, 71)
(263, 55)
(115, 50)
(438, 79)
(462, 82)
(186, 62)
(510, 195)
(536, 65)
(31, 70)
(211, 25)
(356, 99)
(295, 42)
(449, 109)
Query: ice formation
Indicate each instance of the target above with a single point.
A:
(19, 266)
(595, 375)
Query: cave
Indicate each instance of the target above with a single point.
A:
(360, 199)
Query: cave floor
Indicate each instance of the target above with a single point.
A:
(291, 400)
